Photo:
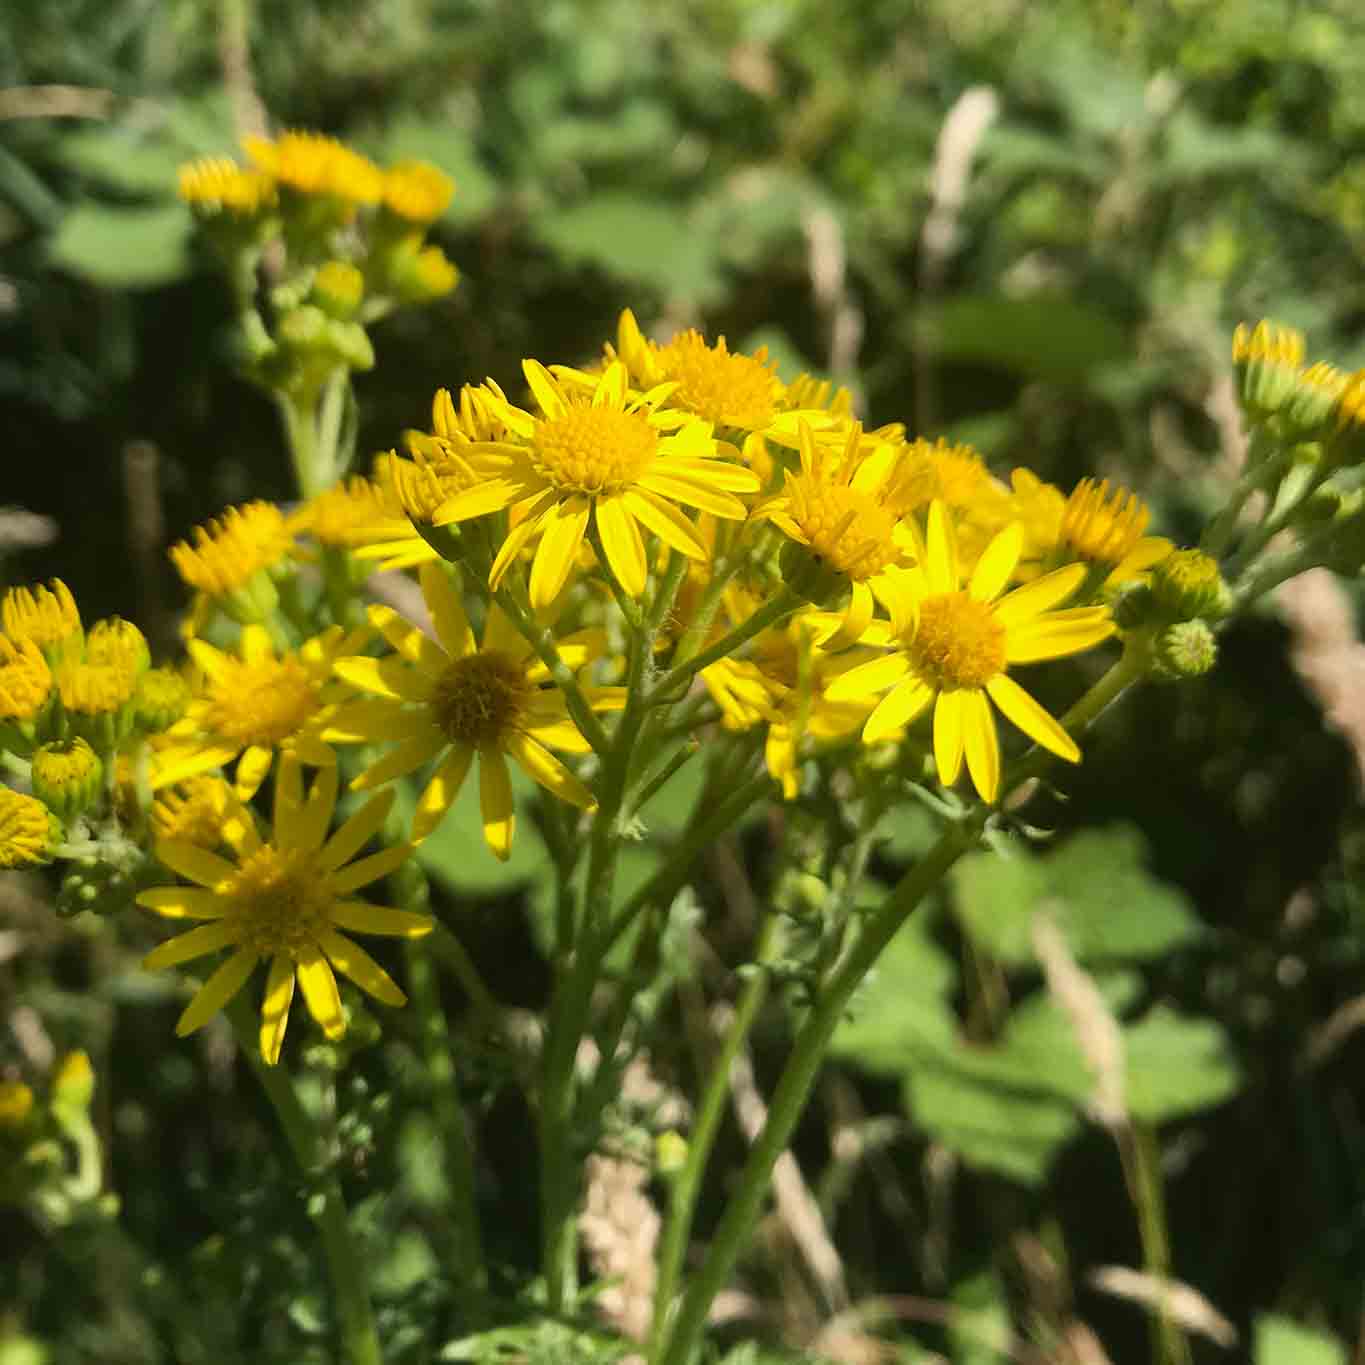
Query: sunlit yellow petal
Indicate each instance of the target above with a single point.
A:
(691, 492)
(896, 710)
(352, 960)
(447, 611)
(1039, 596)
(671, 525)
(625, 549)
(193, 863)
(565, 525)
(948, 736)
(217, 991)
(489, 495)
(363, 918)
(288, 802)
(732, 478)
(317, 812)
(982, 744)
(183, 902)
(320, 992)
(391, 678)
(411, 754)
(441, 791)
(279, 995)
(542, 385)
(519, 537)
(998, 561)
(417, 647)
(546, 769)
(175, 765)
(376, 720)
(1058, 634)
(495, 803)
(367, 870)
(940, 564)
(356, 832)
(252, 768)
(207, 938)
(1020, 708)
(867, 679)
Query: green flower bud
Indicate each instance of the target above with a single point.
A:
(73, 1083)
(1312, 400)
(1267, 359)
(1187, 649)
(162, 698)
(338, 289)
(1186, 584)
(67, 777)
(1346, 443)
(1133, 606)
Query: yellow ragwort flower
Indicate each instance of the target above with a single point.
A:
(25, 681)
(354, 512)
(615, 458)
(1105, 527)
(417, 191)
(310, 163)
(217, 184)
(46, 615)
(28, 830)
(255, 703)
(459, 698)
(284, 901)
(954, 646)
(228, 551)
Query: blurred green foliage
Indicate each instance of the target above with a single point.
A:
(1149, 174)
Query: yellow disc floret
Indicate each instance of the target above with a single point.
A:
(590, 449)
(417, 191)
(848, 529)
(278, 902)
(28, 830)
(957, 642)
(732, 390)
(310, 163)
(193, 811)
(479, 699)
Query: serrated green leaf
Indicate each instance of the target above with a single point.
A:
(123, 248)
(1281, 1341)
(1177, 1065)
(1096, 888)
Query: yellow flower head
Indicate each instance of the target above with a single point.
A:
(230, 550)
(461, 697)
(954, 647)
(350, 513)
(194, 811)
(838, 506)
(97, 698)
(1267, 359)
(284, 901)
(163, 696)
(28, 830)
(417, 191)
(338, 288)
(25, 681)
(1105, 528)
(728, 389)
(216, 184)
(47, 616)
(118, 642)
(67, 777)
(310, 163)
(254, 703)
(608, 456)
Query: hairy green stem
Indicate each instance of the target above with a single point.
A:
(355, 1316)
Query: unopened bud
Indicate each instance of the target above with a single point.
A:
(1186, 584)
(67, 777)
(1187, 649)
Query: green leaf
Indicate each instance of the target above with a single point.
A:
(1281, 1341)
(1095, 886)
(1053, 336)
(979, 1329)
(456, 855)
(647, 240)
(1177, 1065)
(132, 164)
(123, 248)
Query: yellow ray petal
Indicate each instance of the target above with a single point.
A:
(417, 647)
(982, 743)
(867, 679)
(183, 902)
(410, 754)
(363, 918)
(217, 991)
(998, 561)
(731, 478)
(1020, 708)
(207, 938)
(317, 811)
(565, 524)
(941, 563)
(896, 710)
(176, 764)
(447, 611)
(288, 803)
(193, 863)
(376, 720)
(691, 492)
(625, 549)
(252, 768)
(948, 736)
(367, 870)
(1052, 637)
(543, 387)
(441, 791)
(670, 524)
(320, 992)
(1039, 596)
(391, 678)
(356, 832)
(489, 495)
(546, 769)
(495, 803)
(279, 995)
(353, 961)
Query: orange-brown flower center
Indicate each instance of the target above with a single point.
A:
(279, 902)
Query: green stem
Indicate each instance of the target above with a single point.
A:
(349, 1291)
(1142, 1162)
(1278, 519)
(676, 1342)
(1263, 469)
(769, 614)
(687, 1183)
(449, 1114)
(302, 438)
